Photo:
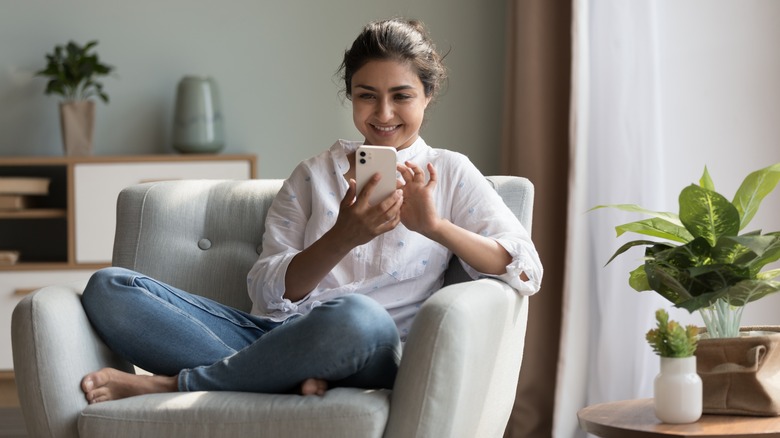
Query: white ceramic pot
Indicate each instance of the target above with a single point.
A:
(678, 391)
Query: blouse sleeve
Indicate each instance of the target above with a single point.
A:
(285, 226)
(479, 208)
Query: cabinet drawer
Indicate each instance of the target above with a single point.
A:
(97, 185)
(13, 287)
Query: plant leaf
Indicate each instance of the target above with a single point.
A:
(713, 277)
(770, 253)
(728, 250)
(663, 280)
(768, 275)
(625, 247)
(657, 227)
(751, 290)
(637, 279)
(71, 70)
(633, 208)
(753, 190)
(707, 214)
(706, 181)
(751, 250)
(89, 45)
(701, 301)
(739, 294)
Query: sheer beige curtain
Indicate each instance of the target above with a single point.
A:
(535, 144)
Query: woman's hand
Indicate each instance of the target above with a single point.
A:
(358, 222)
(418, 212)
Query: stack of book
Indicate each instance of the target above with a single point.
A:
(8, 258)
(15, 195)
(15, 192)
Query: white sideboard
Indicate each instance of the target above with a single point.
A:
(68, 234)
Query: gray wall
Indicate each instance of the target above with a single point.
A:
(274, 62)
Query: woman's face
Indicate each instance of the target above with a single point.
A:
(388, 103)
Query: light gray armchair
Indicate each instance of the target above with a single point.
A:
(457, 376)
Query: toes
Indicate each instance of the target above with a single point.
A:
(314, 387)
(96, 395)
(322, 386)
(87, 384)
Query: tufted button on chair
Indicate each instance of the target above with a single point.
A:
(457, 376)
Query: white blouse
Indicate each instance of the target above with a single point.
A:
(400, 269)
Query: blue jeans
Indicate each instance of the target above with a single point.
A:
(349, 341)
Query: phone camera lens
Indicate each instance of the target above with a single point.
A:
(362, 153)
(362, 161)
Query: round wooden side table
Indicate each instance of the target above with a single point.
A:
(636, 419)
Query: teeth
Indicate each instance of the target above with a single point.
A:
(385, 128)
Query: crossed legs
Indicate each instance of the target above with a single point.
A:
(190, 343)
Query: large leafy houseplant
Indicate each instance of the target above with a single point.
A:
(704, 264)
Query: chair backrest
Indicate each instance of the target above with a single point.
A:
(203, 236)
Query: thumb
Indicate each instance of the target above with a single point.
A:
(349, 197)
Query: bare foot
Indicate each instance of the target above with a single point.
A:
(112, 384)
(314, 387)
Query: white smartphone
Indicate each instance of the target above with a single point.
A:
(376, 159)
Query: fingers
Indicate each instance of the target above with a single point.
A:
(411, 172)
(432, 171)
(349, 197)
(379, 218)
(399, 182)
(369, 187)
(390, 210)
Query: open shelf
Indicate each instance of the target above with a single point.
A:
(67, 234)
(34, 213)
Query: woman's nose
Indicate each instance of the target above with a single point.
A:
(384, 110)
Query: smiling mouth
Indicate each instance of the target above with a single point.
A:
(385, 128)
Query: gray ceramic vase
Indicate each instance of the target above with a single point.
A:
(198, 125)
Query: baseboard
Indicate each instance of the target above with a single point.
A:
(12, 423)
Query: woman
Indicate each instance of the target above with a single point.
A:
(339, 281)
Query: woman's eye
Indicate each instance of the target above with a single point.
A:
(402, 97)
(366, 96)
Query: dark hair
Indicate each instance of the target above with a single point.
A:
(395, 39)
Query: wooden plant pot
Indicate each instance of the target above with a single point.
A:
(77, 121)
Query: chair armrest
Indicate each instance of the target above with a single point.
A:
(54, 346)
(460, 366)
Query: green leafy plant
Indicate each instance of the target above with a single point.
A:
(72, 71)
(704, 263)
(670, 339)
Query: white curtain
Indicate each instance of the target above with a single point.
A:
(616, 152)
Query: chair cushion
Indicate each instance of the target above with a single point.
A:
(341, 412)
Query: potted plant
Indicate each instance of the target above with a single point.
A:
(703, 263)
(73, 71)
(677, 388)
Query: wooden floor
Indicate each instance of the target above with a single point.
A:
(12, 423)
(8, 397)
(11, 420)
